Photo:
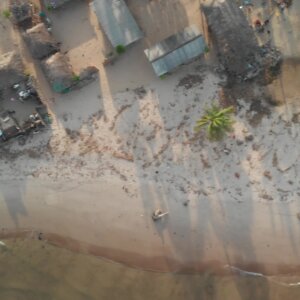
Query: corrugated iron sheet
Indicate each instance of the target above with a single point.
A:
(117, 22)
(176, 50)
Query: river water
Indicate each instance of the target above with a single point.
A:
(35, 270)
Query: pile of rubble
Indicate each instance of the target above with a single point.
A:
(239, 54)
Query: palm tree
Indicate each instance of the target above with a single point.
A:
(217, 122)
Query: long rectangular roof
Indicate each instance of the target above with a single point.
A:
(117, 22)
(176, 50)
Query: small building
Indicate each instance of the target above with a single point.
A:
(21, 12)
(59, 73)
(176, 50)
(11, 70)
(40, 42)
(61, 76)
(117, 22)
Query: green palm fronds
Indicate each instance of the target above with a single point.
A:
(217, 122)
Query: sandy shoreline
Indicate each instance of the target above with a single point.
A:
(154, 264)
(183, 243)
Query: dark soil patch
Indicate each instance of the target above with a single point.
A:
(296, 118)
(140, 92)
(73, 134)
(190, 81)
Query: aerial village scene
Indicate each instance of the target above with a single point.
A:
(149, 149)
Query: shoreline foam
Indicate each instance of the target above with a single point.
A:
(153, 264)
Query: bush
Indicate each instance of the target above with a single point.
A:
(75, 77)
(120, 49)
(49, 7)
(217, 122)
(6, 13)
(163, 76)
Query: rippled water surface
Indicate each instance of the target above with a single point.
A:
(32, 269)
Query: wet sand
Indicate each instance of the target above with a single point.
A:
(34, 270)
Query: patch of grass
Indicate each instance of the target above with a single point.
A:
(217, 122)
(6, 13)
(163, 76)
(206, 49)
(120, 49)
(75, 77)
(49, 7)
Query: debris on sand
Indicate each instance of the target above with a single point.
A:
(190, 81)
(158, 214)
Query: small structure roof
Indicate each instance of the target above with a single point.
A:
(21, 11)
(39, 41)
(176, 50)
(117, 22)
(59, 72)
(11, 69)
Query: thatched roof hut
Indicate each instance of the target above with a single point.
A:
(21, 11)
(40, 42)
(11, 69)
(59, 73)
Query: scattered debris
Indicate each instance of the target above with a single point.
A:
(186, 203)
(226, 151)
(158, 214)
(140, 92)
(2, 245)
(249, 138)
(268, 175)
(190, 81)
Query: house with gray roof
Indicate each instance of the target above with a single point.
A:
(176, 50)
(117, 22)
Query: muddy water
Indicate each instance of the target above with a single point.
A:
(32, 269)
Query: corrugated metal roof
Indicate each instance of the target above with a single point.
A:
(172, 42)
(117, 22)
(176, 50)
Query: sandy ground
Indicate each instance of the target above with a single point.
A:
(124, 146)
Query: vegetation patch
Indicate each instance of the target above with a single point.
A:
(75, 77)
(217, 121)
(6, 13)
(120, 49)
